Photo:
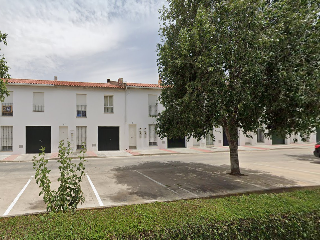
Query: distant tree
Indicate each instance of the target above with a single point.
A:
(3, 70)
(239, 64)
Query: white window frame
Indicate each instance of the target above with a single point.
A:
(153, 137)
(153, 105)
(108, 107)
(260, 136)
(81, 136)
(81, 101)
(7, 105)
(6, 138)
(38, 101)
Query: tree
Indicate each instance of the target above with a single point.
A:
(239, 64)
(3, 70)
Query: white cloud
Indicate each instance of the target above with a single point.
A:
(43, 36)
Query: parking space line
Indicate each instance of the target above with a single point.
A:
(188, 191)
(17, 197)
(95, 191)
(228, 177)
(156, 181)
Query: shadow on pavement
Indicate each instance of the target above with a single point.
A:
(305, 157)
(178, 180)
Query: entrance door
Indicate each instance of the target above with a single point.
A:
(318, 135)
(277, 140)
(37, 137)
(63, 134)
(108, 138)
(132, 136)
(176, 143)
(225, 139)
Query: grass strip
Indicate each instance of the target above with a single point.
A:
(290, 215)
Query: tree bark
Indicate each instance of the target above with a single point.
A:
(232, 136)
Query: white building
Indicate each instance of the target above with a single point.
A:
(104, 116)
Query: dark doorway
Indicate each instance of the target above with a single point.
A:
(277, 140)
(37, 137)
(225, 139)
(318, 135)
(108, 138)
(176, 143)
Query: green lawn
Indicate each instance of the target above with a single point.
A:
(291, 215)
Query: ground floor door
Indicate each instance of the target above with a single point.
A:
(37, 137)
(132, 136)
(176, 143)
(225, 139)
(318, 135)
(63, 134)
(108, 138)
(277, 140)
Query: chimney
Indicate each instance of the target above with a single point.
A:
(55, 78)
(120, 81)
(108, 80)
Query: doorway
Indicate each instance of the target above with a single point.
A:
(132, 136)
(37, 137)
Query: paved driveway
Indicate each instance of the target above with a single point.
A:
(131, 180)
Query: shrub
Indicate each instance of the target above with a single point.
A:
(69, 193)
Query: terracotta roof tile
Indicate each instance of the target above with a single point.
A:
(63, 83)
(143, 85)
(80, 84)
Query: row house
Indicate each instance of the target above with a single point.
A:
(102, 116)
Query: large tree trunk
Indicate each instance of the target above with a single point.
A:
(232, 136)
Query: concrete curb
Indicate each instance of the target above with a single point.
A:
(264, 191)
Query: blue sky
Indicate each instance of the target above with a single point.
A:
(80, 40)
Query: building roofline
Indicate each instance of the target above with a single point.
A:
(112, 84)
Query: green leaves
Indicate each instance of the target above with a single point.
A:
(3, 70)
(69, 193)
(241, 63)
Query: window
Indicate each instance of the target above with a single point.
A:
(209, 139)
(38, 102)
(81, 137)
(81, 105)
(153, 105)
(260, 136)
(7, 105)
(152, 135)
(6, 138)
(108, 104)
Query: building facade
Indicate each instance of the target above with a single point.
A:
(102, 116)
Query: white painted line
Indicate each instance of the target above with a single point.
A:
(17, 197)
(95, 191)
(188, 191)
(155, 181)
(225, 176)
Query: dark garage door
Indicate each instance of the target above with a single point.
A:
(277, 140)
(108, 138)
(37, 137)
(176, 143)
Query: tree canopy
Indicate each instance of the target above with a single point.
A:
(3, 70)
(239, 64)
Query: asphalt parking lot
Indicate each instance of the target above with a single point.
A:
(143, 179)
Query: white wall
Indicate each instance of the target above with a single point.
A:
(60, 110)
(130, 107)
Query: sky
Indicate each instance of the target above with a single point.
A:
(81, 40)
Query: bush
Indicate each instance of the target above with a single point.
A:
(291, 215)
(69, 193)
